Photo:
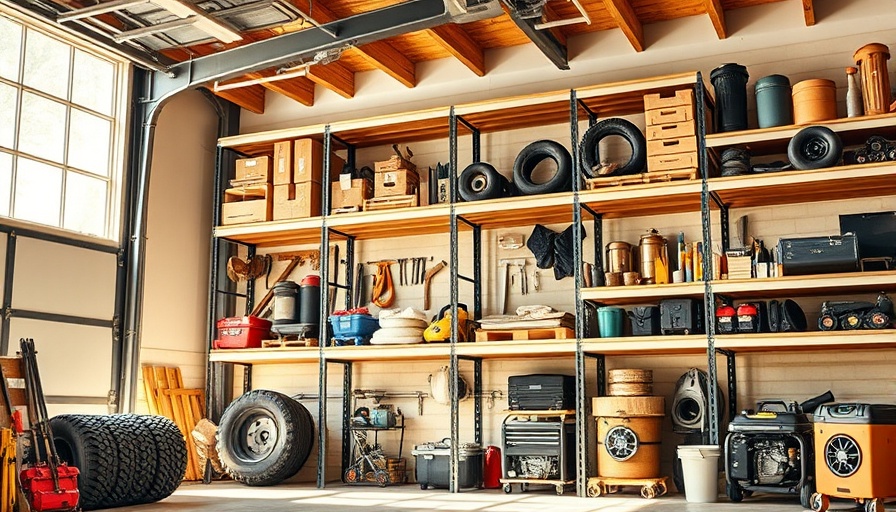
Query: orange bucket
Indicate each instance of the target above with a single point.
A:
(814, 100)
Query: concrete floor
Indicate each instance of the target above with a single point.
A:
(228, 496)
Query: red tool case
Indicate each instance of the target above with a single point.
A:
(242, 332)
(37, 482)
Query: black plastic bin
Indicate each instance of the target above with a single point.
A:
(433, 465)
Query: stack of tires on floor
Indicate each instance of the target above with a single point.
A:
(123, 459)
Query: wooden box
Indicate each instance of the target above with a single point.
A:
(297, 200)
(396, 183)
(672, 162)
(665, 100)
(393, 164)
(350, 193)
(256, 169)
(251, 203)
(282, 163)
(308, 161)
(671, 130)
(671, 146)
(669, 115)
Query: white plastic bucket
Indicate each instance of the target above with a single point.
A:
(700, 469)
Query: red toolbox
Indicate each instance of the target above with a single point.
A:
(37, 482)
(242, 332)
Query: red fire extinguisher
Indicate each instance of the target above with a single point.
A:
(492, 468)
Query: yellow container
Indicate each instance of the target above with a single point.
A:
(814, 100)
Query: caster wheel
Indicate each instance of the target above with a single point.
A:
(382, 478)
(735, 492)
(820, 502)
(423, 487)
(507, 489)
(612, 489)
(352, 475)
(662, 488)
(559, 490)
(593, 490)
(648, 492)
(874, 505)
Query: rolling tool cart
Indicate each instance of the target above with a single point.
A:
(855, 446)
(370, 465)
(538, 447)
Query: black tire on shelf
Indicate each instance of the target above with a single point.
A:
(84, 441)
(261, 438)
(480, 181)
(590, 153)
(532, 155)
(171, 457)
(814, 147)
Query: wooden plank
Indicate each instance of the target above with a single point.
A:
(333, 76)
(387, 59)
(553, 333)
(809, 12)
(461, 45)
(717, 15)
(182, 418)
(250, 97)
(627, 20)
(299, 89)
(149, 388)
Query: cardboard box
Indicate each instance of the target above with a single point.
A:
(297, 200)
(283, 163)
(393, 164)
(396, 183)
(308, 164)
(251, 203)
(346, 193)
(254, 169)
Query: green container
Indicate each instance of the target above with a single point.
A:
(609, 321)
(774, 103)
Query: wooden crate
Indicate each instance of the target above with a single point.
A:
(669, 115)
(671, 130)
(555, 333)
(390, 203)
(660, 100)
(672, 146)
(672, 162)
(400, 182)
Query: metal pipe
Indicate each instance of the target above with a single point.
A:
(581, 423)
(454, 458)
(9, 275)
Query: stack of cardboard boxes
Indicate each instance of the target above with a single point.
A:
(249, 199)
(396, 184)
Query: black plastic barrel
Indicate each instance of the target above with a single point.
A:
(730, 84)
(309, 300)
(286, 303)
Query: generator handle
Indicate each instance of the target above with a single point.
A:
(811, 404)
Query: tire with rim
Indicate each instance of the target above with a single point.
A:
(480, 181)
(590, 151)
(534, 154)
(814, 147)
(84, 441)
(262, 438)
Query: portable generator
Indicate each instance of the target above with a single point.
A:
(855, 445)
(771, 450)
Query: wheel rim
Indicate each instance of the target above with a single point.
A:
(479, 183)
(621, 443)
(256, 437)
(815, 149)
(842, 455)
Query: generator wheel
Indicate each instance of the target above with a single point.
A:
(820, 502)
(261, 440)
(507, 488)
(874, 505)
(559, 489)
(593, 490)
(662, 487)
(806, 493)
(648, 492)
(735, 492)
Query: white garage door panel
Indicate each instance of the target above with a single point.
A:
(74, 360)
(56, 278)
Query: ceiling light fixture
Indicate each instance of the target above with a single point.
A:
(282, 74)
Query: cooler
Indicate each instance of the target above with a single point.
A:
(433, 465)
(242, 332)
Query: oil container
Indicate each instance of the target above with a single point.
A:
(286, 303)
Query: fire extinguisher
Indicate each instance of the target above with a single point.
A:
(492, 468)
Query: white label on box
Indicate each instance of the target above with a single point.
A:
(301, 165)
(389, 178)
(281, 165)
(251, 163)
(345, 181)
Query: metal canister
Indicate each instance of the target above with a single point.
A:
(619, 257)
(651, 247)
(286, 304)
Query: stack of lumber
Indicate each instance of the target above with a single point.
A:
(166, 396)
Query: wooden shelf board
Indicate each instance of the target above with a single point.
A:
(849, 282)
(404, 127)
(623, 98)
(846, 182)
(518, 211)
(803, 341)
(519, 349)
(646, 345)
(645, 199)
(614, 295)
(417, 352)
(767, 139)
(266, 355)
(267, 234)
(400, 222)
(262, 143)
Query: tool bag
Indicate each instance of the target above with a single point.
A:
(38, 484)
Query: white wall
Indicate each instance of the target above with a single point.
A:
(768, 39)
(175, 305)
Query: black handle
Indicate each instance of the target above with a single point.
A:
(813, 403)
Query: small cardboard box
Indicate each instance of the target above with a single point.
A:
(393, 164)
(346, 193)
(250, 203)
(297, 200)
(283, 163)
(254, 169)
(396, 183)
(308, 164)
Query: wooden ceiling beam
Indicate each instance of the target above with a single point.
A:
(297, 89)
(250, 97)
(461, 45)
(809, 12)
(624, 15)
(333, 76)
(717, 15)
(550, 14)
(387, 59)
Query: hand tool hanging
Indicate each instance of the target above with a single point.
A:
(383, 288)
(427, 282)
(49, 484)
(359, 284)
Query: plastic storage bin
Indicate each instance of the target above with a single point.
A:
(433, 469)
(242, 332)
(353, 326)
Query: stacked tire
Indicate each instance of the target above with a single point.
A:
(124, 459)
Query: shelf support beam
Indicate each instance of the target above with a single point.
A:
(477, 144)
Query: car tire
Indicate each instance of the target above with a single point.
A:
(590, 153)
(532, 155)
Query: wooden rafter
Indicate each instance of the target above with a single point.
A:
(809, 12)
(461, 45)
(717, 15)
(333, 76)
(298, 89)
(551, 14)
(624, 15)
(250, 97)
(387, 59)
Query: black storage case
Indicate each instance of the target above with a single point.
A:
(681, 316)
(645, 320)
(433, 467)
(541, 392)
(818, 255)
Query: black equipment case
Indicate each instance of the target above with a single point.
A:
(541, 392)
(818, 255)
(433, 469)
(681, 316)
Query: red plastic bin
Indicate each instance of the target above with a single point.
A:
(242, 332)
